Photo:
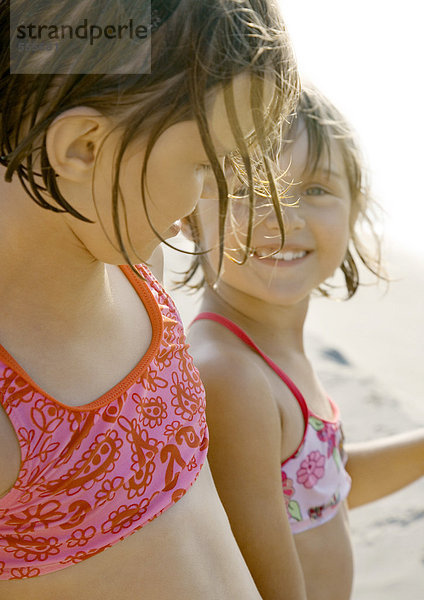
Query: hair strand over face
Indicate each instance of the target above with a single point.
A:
(203, 45)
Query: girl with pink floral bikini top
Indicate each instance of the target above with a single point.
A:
(92, 475)
(314, 478)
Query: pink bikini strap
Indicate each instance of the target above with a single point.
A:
(247, 340)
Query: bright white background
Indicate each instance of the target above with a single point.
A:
(367, 56)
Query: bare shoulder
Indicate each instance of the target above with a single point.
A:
(221, 357)
(237, 386)
(245, 400)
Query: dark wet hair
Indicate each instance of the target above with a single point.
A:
(199, 45)
(326, 126)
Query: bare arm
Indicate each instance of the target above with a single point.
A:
(381, 467)
(244, 456)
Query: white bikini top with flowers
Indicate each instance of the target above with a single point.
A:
(314, 478)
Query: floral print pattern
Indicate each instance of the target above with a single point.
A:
(314, 480)
(288, 489)
(311, 469)
(93, 475)
(328, 434)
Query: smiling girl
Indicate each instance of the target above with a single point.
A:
(276, 451)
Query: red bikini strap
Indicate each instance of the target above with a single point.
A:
(247, 340)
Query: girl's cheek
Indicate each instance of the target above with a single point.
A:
(209, 189)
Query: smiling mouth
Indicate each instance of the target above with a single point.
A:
(285, 256)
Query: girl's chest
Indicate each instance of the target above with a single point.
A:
(292, 411)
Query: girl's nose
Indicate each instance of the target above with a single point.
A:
(293, 218)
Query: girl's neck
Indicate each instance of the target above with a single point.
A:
(45, 275)
(276, 329)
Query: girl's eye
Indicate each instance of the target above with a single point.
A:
(315, 191)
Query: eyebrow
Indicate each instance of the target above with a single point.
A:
(328, 173)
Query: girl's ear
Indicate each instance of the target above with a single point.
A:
(73, 141)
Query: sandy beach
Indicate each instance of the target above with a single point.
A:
(369, 353)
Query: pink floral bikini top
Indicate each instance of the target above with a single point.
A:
(91, 475)
(314, 477)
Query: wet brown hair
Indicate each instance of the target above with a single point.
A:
(326, 127)
(202, 44)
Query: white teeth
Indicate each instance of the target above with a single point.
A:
(287, 256)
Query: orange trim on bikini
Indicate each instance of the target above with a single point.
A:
(155, 317)
(92, 475)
